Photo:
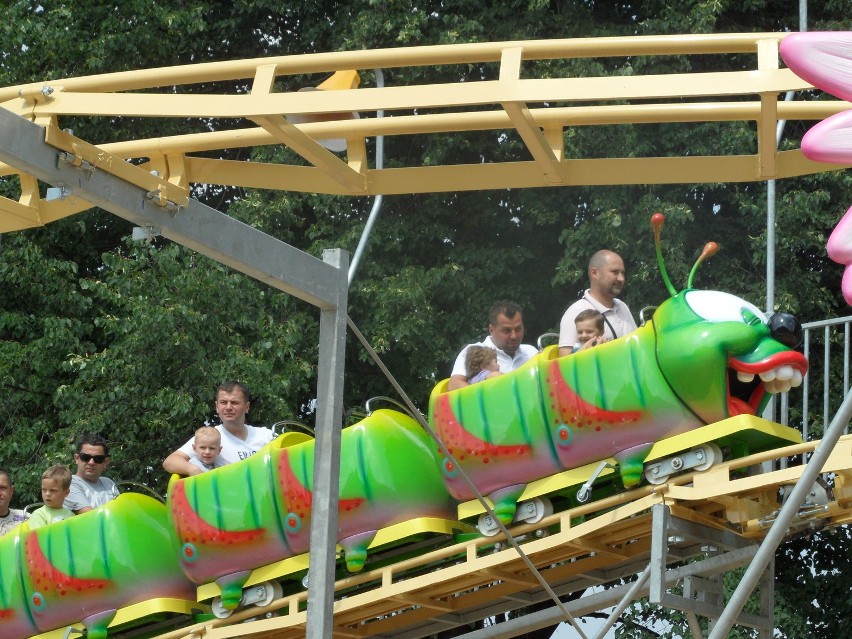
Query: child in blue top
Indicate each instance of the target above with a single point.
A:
(206, 446)
(480, 363)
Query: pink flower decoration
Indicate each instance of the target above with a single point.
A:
(825, 60)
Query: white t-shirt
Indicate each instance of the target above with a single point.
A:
(618, 317)
(506, 362)
(235, 449)
(89, 494)
(12, 520)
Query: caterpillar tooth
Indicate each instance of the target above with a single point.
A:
(745, 377)
(784, 372)
(797, 378)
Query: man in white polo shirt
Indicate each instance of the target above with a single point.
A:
(505, 334)
(606, 279)
(239, 440)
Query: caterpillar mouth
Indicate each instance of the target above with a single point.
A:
(748, 382)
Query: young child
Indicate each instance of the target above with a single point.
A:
(206, 448)
(481, 363)
(55, 486)
(590, 329)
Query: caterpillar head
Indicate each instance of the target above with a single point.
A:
(721, 355)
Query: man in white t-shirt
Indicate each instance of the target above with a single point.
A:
(239, 440)
(606, 279)
(505, 334)
(89, 488)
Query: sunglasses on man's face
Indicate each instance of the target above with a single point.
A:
(86, 457)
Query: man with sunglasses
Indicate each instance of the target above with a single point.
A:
(89, 489)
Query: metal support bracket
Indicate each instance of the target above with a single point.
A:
(88, 157)
(702, 595)
(76, 161)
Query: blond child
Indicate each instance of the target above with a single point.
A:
(590, 329)
(206, 448)
(481, 363)
(55, 486)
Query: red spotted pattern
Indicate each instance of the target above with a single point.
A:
(298, 498)
(193, 529)
(569, 408)
(461, 444)
(47, 579)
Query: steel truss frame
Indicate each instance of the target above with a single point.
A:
(516, 98)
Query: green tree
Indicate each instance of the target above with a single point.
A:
(129, 340)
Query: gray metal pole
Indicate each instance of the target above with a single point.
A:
(199, 227)
(629, 596)
(770, 189)
(770, 246)
(329, 422)
(769, 411)
(779, 528)
(377, 203)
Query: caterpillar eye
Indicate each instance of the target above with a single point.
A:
(786, 329)
(716, 306)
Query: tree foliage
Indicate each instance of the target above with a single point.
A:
(129, 340)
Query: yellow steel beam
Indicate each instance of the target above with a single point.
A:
(767, 60)
(287, 133)
(539, 109)
(473, 177)
(522, 119)
(428, 96)
(308, 148)
(17, 216)
(403, 57)
(552, 119)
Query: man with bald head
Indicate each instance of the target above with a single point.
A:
(606, 279)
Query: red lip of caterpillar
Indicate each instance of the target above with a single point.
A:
(785, 367)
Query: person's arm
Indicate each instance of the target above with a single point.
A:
(568, 330)
(178, 464)
(458, 377)
(456, 382)
(76, 501)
